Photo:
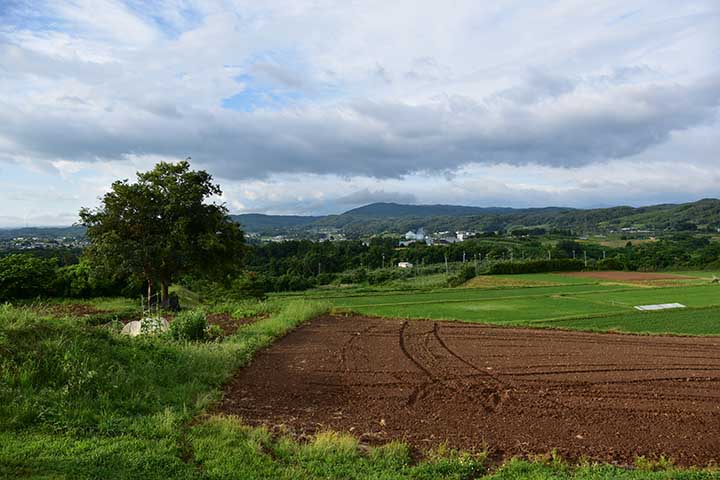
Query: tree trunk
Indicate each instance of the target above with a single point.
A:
(149, 293)
(165, 286)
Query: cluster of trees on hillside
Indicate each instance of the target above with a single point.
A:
(25, 276)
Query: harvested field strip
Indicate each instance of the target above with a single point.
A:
(517, 391)
(627, 276)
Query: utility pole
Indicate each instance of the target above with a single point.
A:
(585, 252)
(463, 256)
(603, 254)
(573, 254)
(447, 269)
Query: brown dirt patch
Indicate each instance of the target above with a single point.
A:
(628, 276)
(71, 309)
(517, 391)
(229, 324)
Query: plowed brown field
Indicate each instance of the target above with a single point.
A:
(629, 276)
(516, 391)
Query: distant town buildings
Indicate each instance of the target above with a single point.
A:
(40, 243)
(418, 236)
(440, 238)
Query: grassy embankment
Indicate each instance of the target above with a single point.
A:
(81, 401)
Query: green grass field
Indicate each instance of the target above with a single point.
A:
(702, 321)
(575, 304)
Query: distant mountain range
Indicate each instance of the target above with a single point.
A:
(703, 215)
(398, 218)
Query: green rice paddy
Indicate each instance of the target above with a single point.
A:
(584, 304)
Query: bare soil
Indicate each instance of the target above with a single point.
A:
(628, 276)
(229, 324)
(608, 397)
(71, 309)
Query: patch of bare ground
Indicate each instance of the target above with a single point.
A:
(628, 276)
(516, 391)
(70, 310)
(229, 324)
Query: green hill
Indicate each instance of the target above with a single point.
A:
(397, 218)
(703, 215)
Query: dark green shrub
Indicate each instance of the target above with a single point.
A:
(359, 275)
(27, 276)
(537, 266)
(214, 333)
(467, 272)
(292, 283)
(325, 278)
(612, 263)
(250, 285)
(80, 281)
(189, 325)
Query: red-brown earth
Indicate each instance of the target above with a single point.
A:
(514, 391)
(629, 276)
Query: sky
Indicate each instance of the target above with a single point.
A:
(316, 107)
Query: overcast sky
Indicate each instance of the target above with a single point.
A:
(314, 107)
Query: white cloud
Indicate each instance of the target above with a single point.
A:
(389, 99)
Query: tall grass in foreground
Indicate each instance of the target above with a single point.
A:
(68, 376)
(227, 449)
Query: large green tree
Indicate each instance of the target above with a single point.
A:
(163, 226)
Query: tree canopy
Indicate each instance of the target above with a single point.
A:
(163, 226)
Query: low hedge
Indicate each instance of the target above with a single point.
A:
(536, 266)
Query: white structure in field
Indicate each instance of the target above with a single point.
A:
(418, 236)
(660, 306)
(405, 265)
